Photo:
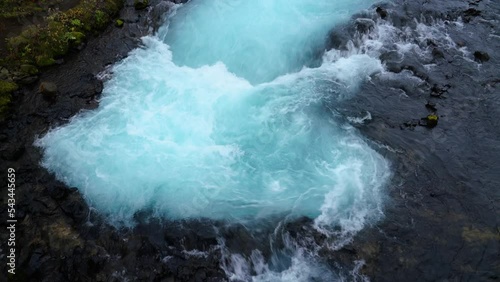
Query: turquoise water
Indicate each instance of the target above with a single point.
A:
(224, 115)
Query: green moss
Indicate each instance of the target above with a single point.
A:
(432, 117)
(7, 87)
(44, 61)
(76, 23)
(75, 38)
(101, 19)
(39, 45)
(119, 23)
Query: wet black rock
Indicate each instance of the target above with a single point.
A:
(158, 13)
(141, 4)
(75, 207)
(58, 192)
(437, 91)
(431, 106)
(13, 151)
(381, 12)
(429, 121)
(411, 124)
(337, 39)
(27, 80)
(364, 25)
(481, 56)
(48, 90)
(437, 54)
(470, 13)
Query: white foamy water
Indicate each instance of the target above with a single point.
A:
(223, 115)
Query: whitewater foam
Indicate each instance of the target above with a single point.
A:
(208, 122)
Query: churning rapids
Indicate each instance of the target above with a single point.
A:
(224, 115)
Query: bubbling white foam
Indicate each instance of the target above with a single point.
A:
(196, 126)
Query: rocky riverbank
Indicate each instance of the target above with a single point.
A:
(442, 213)
(442, 208)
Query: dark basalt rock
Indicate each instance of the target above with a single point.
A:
(364, 25)
(141, 4)
(27, 80)
(13, 151)
(470, 13)
(429, 121)
(381, 12)
(437, 54)
(437, 91)
(411, 124)
(431, 106)
(75, 207)
(48, 90)
(58, 192)
(481, 57)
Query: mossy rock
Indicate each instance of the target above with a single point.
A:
(141, 4)
(432, 120)
(75, 38)
(101, 19)
(4, 73)
(28, 69)
(7, 87)
(44, 61)
(119, 23)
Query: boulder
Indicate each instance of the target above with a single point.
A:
(364, 25)
(381, 12)
(28, 69)
(4, 74)
(48, 90)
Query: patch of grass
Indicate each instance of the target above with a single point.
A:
(41, 45)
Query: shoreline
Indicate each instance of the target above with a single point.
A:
(430, 227)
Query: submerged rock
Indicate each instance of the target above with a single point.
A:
(381, 12)
(481, 56)
(471, 13)
(364, 25)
